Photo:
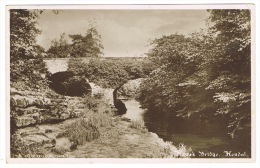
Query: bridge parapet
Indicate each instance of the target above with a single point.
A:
(55, 65)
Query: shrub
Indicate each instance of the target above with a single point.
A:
(87, 129)
(82, 131)
(138, 124)
(97, 115)
(100, 119)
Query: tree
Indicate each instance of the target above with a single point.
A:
(88, 45)
(206, 74)
(178, 59)
(231, 70)
(25, 57)
(60, 48)
(23, 32)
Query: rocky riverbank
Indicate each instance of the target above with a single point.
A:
(118, 140)
(50, 125)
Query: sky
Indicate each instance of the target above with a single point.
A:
(123, 32)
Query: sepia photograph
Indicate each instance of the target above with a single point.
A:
(165, 82)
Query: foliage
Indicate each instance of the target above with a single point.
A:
(25, 55)
(111, 72)
(82, 131)
(138, 124)
(206, 74)
(231, 80)
(23, 32)
(163, 90)
(97, 115)
(97, 105)
(87, 46)
(60, 48)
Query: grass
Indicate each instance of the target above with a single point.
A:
(87, 129)
(97, 114)
(138, 124)
(82, 131)
(100, 119)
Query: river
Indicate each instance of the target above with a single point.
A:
(204, 139)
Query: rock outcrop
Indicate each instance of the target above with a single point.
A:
(31, 108)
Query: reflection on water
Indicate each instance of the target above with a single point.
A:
(200, 136)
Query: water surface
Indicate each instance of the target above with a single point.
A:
(200, 136)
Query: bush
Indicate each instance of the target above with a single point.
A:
(138, 124)
(87, 129)
(97, 115)
(82, 131)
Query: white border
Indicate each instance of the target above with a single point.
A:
(96, 2)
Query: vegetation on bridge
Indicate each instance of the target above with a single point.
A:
(110, 73)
